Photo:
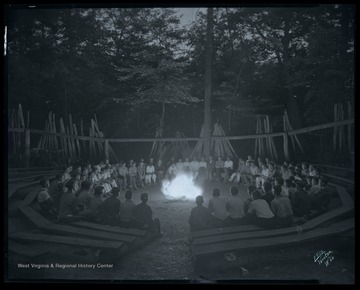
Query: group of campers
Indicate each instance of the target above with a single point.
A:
(274, 197)
(71, 197)
(275, 193)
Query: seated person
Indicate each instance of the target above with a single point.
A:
(144, 215)
(110, 209)
(92, 212)
(127, 218)
(321, 199)
(84, 195)
(217, 207)
(259, 212)
(235, 206)
(281, 208)
(268, 194)
(68, 209)
(200, 217)
(301, 203)
(46, 203)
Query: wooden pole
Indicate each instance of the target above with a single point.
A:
(21, 117)
(58, 154)
(72, 133)
(208, 76)
(64, 139)
(106, 147)
(77, 140)
(27, 148)
(28, 120)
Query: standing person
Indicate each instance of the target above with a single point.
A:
(200, 217)
(127, 217)
(144, 215)
(282, 209)
(235, 207)
(217, 207)
(110, 209)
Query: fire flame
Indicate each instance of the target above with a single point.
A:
(181, 187)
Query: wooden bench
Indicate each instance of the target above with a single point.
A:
(28, 251)
(32, 177)
(309, 225)
(33, 216)
(142, 234)
(116, 247)
(222, 231)
(12, 188)
(345, 180)
(344, 196)
(100, 235)
(30, 198)
(239, 245)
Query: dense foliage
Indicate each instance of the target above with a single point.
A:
(132, 66)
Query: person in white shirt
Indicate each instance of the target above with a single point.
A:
(150, 176)
(186, 165)
(194, 167)
(203, 163)
(228, 168)
(259, 212)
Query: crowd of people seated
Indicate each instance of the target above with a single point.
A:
(92, 193)
(276, 194)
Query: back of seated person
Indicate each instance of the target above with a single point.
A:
(44, 200)
(68, 208)
(321, 199)
(144, 215)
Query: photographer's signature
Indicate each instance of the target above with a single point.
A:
(324, 257)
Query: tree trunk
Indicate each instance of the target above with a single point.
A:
(289, 97)
(207, 102)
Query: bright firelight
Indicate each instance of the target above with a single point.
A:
(181, 187)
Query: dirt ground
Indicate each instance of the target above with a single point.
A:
(169, 258)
